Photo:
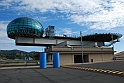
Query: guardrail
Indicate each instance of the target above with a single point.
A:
(8, 63)
(65, 48)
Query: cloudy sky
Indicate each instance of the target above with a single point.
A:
(68, 16)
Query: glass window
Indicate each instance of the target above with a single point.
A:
(25, 26)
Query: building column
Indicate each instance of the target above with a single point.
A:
(56, 60)
(42, 60)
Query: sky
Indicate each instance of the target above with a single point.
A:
(68, 16)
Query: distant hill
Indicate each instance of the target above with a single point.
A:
(15, 54)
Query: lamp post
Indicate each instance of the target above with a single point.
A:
(82, 47)
(113, 46)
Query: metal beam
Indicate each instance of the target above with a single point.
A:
(26, 41)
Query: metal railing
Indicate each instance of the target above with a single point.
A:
(62, 48)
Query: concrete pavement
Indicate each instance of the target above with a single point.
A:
(114, 68)
(60, 75)
(115, 65)
(55, 75)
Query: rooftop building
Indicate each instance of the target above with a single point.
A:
(88, 48)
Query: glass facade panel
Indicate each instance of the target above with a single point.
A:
(24, 26)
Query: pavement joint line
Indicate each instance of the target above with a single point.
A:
(98, 70)
(120, 73)
(116, 72)
(110, 71)
(18, 67)
(91, 69)
(105, 71)
(113, 72)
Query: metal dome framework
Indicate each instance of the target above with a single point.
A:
(24, 26)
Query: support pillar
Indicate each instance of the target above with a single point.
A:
(25, 58)
(56, 60)
(42, 60)
(29, 58)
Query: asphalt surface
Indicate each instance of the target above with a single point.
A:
(111, 68)
(115, 65)
(62, 75)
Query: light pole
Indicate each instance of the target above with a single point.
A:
(113, 46)
(82, 47)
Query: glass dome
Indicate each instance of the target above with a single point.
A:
(24, 26)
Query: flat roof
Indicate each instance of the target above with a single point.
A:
(101, 37)
(98, 37)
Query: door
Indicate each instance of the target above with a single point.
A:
(86, 58)
(77, 58)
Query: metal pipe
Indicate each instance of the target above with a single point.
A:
(113, 46)
(82, 47)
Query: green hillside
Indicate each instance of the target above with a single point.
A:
(15, 54)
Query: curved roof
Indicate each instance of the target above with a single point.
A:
(24, 26)
(101, 37)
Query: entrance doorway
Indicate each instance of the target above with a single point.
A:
(86, 58)
(77, 59)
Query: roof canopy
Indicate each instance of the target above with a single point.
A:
(101, 37)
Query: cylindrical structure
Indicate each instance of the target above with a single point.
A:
(24, 58)
(29, 58)
(42, 60)
(56, 60)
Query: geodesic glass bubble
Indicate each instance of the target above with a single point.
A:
(24, 26)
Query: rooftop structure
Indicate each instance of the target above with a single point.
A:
(72, 49)
(24, 26)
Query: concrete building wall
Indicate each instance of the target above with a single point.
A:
(100, 57)
(69, 55)
(108, 57)
(95, 57)
(66, 59)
